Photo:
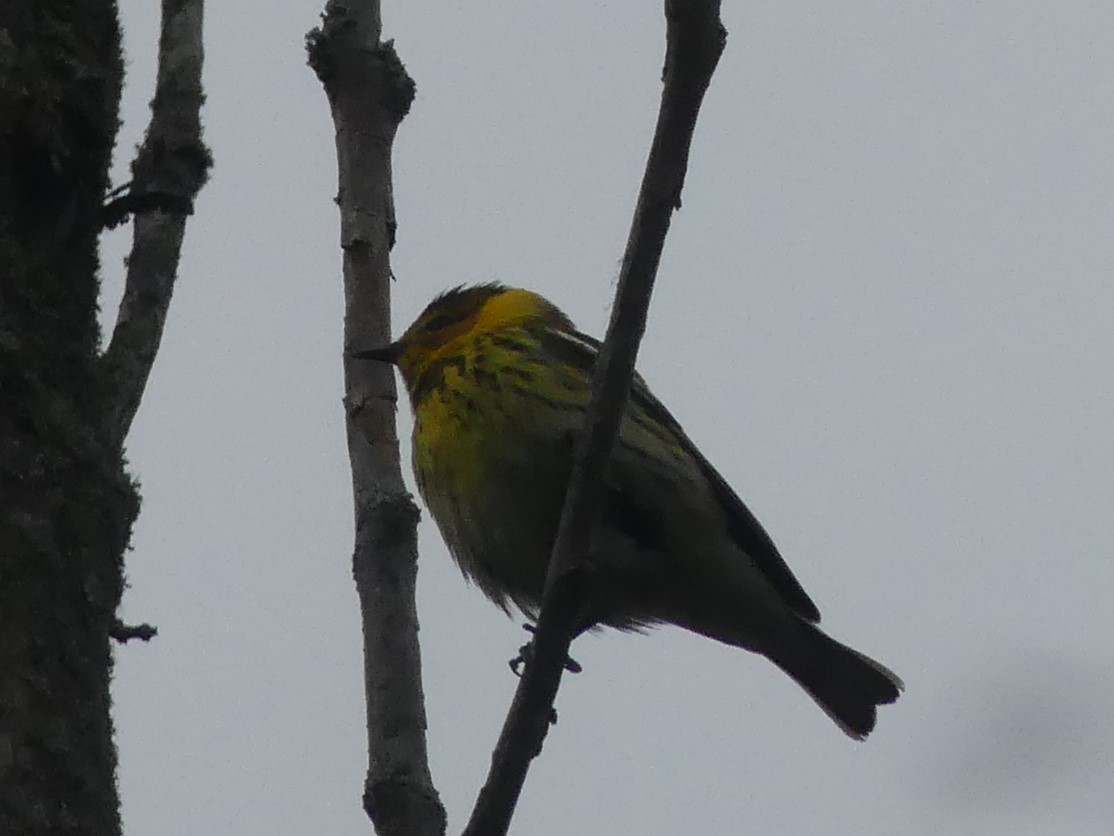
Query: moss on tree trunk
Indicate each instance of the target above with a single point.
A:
(66, 502)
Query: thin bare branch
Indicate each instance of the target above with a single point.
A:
(168, 172)
(695, 40)
(369, 93)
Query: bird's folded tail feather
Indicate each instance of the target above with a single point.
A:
(846, 684)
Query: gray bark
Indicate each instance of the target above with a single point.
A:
(369, 93)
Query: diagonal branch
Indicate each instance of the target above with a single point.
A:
(695, 39)
(369, 93)
(172, 164)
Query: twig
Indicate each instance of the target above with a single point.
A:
(173, 164)
(124, 633)
(694, 42)
(369, 93)
(126, 202)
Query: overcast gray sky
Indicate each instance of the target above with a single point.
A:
(884, 313)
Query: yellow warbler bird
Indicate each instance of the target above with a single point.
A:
(499, 380)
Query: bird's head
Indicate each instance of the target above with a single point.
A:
(460, 314)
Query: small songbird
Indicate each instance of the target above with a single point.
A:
(499, 380)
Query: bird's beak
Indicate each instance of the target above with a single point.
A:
(387, 354)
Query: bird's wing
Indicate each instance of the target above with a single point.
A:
(743, 527)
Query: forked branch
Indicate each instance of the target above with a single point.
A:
(168, 171)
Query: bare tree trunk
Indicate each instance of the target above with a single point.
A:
(66, 502)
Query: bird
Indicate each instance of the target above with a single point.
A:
(499, 380)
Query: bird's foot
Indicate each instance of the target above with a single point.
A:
(526, 654)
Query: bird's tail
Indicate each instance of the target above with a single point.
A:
(846, 684)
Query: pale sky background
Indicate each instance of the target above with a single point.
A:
(884, 313)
